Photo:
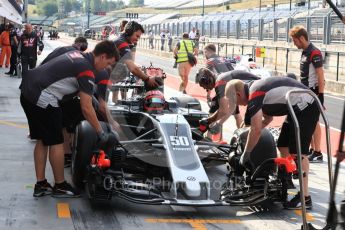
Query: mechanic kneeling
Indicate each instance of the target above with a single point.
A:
(264, 99)
(41, 91)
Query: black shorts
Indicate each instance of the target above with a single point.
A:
(307, 120)
(71, 114)
(44, 124)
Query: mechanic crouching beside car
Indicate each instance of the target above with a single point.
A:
(42, 89)
(265, 98)
(209, 81)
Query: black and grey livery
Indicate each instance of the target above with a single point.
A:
(163, 159)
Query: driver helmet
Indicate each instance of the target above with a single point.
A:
(154, 101)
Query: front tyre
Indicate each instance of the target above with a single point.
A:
(84, 143)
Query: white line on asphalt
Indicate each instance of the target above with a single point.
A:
(335, 129)
(335, 97)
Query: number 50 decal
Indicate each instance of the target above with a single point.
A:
(179, 140)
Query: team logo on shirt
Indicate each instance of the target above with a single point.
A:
(75, 55)
(29, 42)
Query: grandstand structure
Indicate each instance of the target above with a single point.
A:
(264, 23)
(47, 21)
(238, 19)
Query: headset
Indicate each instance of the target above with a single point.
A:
(83, 46)
(131, 27)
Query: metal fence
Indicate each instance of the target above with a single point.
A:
(324, 28)
(276, 58)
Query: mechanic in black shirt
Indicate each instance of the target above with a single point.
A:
(125, 43)
(217, 65)
(80, 43)
(43, 88)
(72, 114)
(265, 98)
(209, 81)
(27, 48)
(214, 62)
(312, 76)
(118, 74)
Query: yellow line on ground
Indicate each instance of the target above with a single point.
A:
(200, 221)
(197, 224)
(292, 192)
(310, 217)
(63, 210)
(13, 124)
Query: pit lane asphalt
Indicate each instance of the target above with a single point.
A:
(19, 210)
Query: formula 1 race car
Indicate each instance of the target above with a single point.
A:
(247, 63)
(164, 158)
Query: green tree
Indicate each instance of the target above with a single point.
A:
(50, 8)
(68, 6)
(96, 5)
(136, 2)
(105, 5)
(76, 5)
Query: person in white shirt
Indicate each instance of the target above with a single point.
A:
(169, 37)
(192, 34)
(162, 35)
(151, 37)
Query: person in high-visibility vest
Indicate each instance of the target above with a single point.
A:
(181, 51)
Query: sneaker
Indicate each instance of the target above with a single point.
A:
(295, 202)
(315, 157)
(42, 190)
(65, 190)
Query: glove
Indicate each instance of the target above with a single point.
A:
(245, 161)
(102, 139)
(321, 98)
(203, 125)
(215, 128)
